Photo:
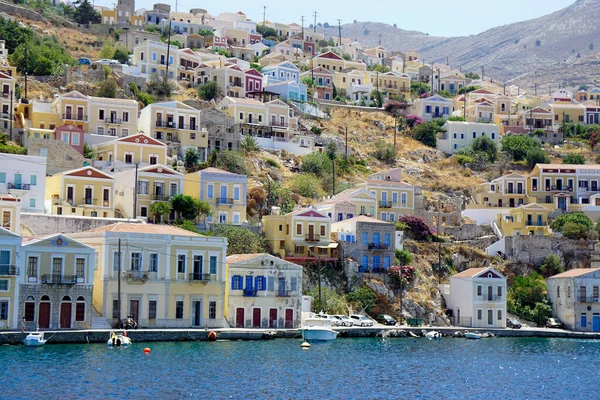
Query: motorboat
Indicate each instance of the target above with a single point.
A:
(35, 339)
(472, 335)
(433, 335)
(118, 339)
(315, 328)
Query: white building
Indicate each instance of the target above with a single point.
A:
(457, 134)
(477, 298)
(24, 177)
(575, 298)
(263, 291)
(433, 107)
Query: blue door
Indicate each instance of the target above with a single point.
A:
(584, 320)
(18, 181)
(596, 323)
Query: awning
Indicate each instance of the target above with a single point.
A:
(329, 246)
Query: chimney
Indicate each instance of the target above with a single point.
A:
(275, 210)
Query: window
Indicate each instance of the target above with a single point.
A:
(80, 309)
(261, 283)
(128, 158)
(499, 291)
(365, 237)
(2, 177)
(322, 230)
(100, 115)
(116, 261)
(236, 193)
(298, 229)
(558, 292)
(212, 309)
(153, 56)
(152, 309)
(136, 261)
(209, 191)
(31, 203)
(4, 310)
(3, 285)
(181, 264)
(236, 282)
(125, 116)
(80, 267)
(100, 131)
(403, 198)
(480, 314)
(33, 180)
(479, 290)
(474, 135)
(499, 315)
(568, 292)
(143, 187)
(32, 266)
(179, 309)
(153, 262)
(115, 308)
(213, 264)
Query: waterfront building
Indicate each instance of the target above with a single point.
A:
(433, 107)
(10, 244)
(263, 291)
(477, 298)
(170, 277)
(575, 298)
(24, 177)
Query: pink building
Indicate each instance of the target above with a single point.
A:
(255, 38)
(71, 135)
(253, 81)
(219, 43)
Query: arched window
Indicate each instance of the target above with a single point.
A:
(66, 298)
(80, 309)
(45, 298)
(29, 308)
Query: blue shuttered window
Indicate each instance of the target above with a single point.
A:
(236, 282)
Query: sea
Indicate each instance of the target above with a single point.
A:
(366, 368)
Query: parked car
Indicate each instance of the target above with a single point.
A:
(361, 320)
(104, 61)
(554, 323)
(334, 321)
(345, 320)
(512, 323)
(385, 319)
(84, 61)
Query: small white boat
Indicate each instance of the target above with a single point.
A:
(433, 335)
(317, 329)
(118, 339)
(35, 339)
(472, 335)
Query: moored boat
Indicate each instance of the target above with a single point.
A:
(317, 329)
(472, 335)
(433, 335)
(119, 338)
(35, 339)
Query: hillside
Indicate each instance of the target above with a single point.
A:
(507, 51)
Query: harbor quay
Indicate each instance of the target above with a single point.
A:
(186, 335)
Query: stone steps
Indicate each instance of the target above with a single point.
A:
(98, 321)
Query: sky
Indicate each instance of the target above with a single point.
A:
(436, 17)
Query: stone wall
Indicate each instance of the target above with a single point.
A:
(467, 231)
(532, 249)
(61, 156)
(43, 224)
(92, 74)
(125, 79)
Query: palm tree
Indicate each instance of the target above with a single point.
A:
(159, 209)
(249, 145)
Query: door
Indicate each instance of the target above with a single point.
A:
(583, 320)
(65, 315)
(511, 202)
(596, 323)
(88, 195)
(457, 322)
(223, 194)
(311, 232)
(256, 318)
(510, 187)
(44, 315)
(239, 318)
(490, 293)
(197, 310)
(490, 314)
(289, 318)
(134, 309)
(562, 204)
(273, 318)
(18, 181)
(70, 195)
(384, 199)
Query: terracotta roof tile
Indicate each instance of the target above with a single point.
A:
(572, 273)
(126, 227)
(469, 273)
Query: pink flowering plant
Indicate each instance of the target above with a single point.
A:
(401, 273)
(413, 120)
(419, 229)
(394, 106)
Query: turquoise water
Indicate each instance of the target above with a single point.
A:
(515, 368)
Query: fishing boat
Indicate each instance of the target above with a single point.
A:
(35, 339)
(433, 335)
(472, 335)
(118, 339)
(315, 328)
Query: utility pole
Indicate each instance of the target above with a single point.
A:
(439, 225)
(447, 60)
(26, 72)
(302, 19)
(315, 24)
(465, 102)
(380, 39)
(482, 70)
(168, 52)
(535, 89)
(135, 196)
(119, 287)
(264, 15)
(11, 115)
(346, 151)
(340, 32)
(175, 5)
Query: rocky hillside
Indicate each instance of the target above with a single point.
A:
(554, 40)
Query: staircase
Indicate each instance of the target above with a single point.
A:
(98, 321)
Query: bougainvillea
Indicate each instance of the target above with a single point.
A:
(405, 272)
(394, 107)
(413, 120)
(419, 228)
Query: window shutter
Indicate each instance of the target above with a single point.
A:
(233, 282)
(271, 285)
(264, 282)
(257, 282)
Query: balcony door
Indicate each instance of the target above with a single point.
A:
(88, 195)
(57, 271)
(311, 231)
(18, 181)
(134, 309)
(68, 112)
(491, 292)
(196, 313)
(223, 193)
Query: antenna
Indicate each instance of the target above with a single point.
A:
(340, 32)
(315, 24)
(264, 15)
(302, 19)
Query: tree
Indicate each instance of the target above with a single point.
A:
(364, 297)
(160, 87)
(471, 75)
(307, 185)
(249, 145)
(419, 88)
(108, 49)
(308, 81)
(88, 152)
(384, 152)
(107, 88)
(232, 161)
(518, 145)
(240, 240)
(403, 257)
(377, 97)
(426, 133)
(574, 225)
(266, 31)
(85, 13)
(208, 90)
(186, 207)
(574, 159)
(160, 209)
(536, 156)
(44, 67)
(485, 145)
(191, 158)
(186, 224)
(552, 265)
(121, 54)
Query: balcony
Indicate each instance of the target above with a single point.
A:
(283, 293)
(188, 127)
(378, 246)
(18, 186)
(224, 200)
(559, 189)
(518, 191)
(538, 223)
(582, 298)
(75, 117)
(136, 276)
(487, 297)
(8, 270)
(88, 201)
(166, 124)
(160, 197)
(313, 238)
(387, 204)
(55, 279)
(196, 276)
(116, 121)
(250, 292)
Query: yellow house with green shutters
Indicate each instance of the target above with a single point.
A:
(170, 277)
(224, 191)
(528, 219)
(85, 192)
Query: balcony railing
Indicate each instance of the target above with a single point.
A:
(160, 197)
(166, 124)
(117, 121)
(56, 279)
(537, 223)
(8, 270)
(19, 186)
(387, 204)
(313, 238)
(134, 275)
(378, 246)
(224, 200)
(250, 292)
(513, 191)
(88, 201)
(559, 188)
(197, 276)
(283, 293)
(74, 117)
(279, 124)
(487, 297)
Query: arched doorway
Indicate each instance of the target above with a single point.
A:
(44, 313)
(65, 313)
(80, 309)
(29, 312)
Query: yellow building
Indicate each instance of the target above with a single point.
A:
(394, 196)
(302, 236)
(10, 211)
(10, 244)
(507, 191)
(392, 83)
(171, 277)
(154, 183)
(528, 219)
(330, 61)
(224, 191)
(151, 57)
(128, 151)
(84, 191)
(567, 112)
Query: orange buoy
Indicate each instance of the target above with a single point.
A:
(147, 350)
(212, 336)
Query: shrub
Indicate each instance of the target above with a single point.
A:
(307, 185)
(144, 98)
(485, 145)
(576, 217)
(384, 152)
(403, 257)
(418, 227)
(574, 159)
(272, 163)
(249, 144)
(552, 265)
(186, 224)
(572, 230)
(536, 156)
(316, 163)
(462, 159)
(107, 88)
(232, 161)
(209, 90)
(518, 145)
(401, 274)
(413, 120)
(426, 133)
(364, 297)
(240, 240)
